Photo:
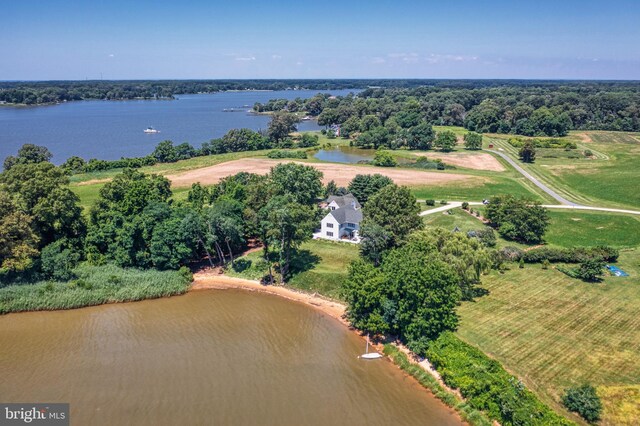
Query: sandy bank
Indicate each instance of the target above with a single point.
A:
(205, 280)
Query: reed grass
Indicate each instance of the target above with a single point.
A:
(94, 285)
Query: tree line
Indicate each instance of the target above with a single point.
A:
(277, 136)
(523, 108)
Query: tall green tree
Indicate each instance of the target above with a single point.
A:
(302, 182)
(286, 224)
(411, 295)
(445, 141)
(41, 191)
(395, 209)
(518, 219)
(527, 152)
(421, 137)
(364, 186)
(28, 154)
(18, 242)
(473, 141)
(282, 124)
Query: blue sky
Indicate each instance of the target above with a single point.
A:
(42, 40)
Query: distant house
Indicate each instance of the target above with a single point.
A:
(343, 220)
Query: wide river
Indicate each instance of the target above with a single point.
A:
(112, 129)
(208, 357)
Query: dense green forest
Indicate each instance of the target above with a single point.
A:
(393, 116)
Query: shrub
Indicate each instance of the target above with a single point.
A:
(590, 270)
(511, 253)
(585, 401)
(308, 140)
(486, 385)
(465, 206)
(545, 264)
(286, 154)
(571, 255)
(486, 236)
(241, 264)
(430, 202)
(58, 261)
(384, 159)
(443, 202)
(588, 153)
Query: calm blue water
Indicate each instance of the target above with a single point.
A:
(345, 154)
(113, 129)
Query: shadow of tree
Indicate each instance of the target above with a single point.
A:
(302, 261)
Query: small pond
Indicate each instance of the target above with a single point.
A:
(345, 154)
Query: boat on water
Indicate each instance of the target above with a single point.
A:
(151, 130)
(372, 355)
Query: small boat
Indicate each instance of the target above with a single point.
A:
(151, 130)
(372, 355)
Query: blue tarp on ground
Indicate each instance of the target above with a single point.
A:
(615, 271)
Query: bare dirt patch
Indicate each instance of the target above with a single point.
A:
(93, 181)
(476, 161)
(340, 173)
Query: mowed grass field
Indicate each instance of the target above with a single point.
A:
(554, 331)
(610, 179)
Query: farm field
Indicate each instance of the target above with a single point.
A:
(610, 178)
(479, 175)
(340, 173)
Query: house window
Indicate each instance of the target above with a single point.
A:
(329, 225)
(329, 234)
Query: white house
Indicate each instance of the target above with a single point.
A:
(343, 220)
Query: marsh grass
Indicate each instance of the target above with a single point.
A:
(94, 285)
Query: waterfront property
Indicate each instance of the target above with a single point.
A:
(343, 220)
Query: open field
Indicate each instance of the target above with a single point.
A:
(340, 173)
(592, 228)
(608, 179)
(481, 189)
(554, 332)
(467, 159)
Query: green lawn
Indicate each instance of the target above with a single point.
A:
(320, 267)
(572, 228)
(477, 190)
(555, 332)
(608, 180)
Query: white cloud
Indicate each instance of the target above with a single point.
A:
(111, 55)
(245, 58)
(378, 60)
(276, 57)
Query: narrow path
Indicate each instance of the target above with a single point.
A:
(454, 204)
(535, 181)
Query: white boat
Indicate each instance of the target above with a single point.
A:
(151, 130)
(372, 355)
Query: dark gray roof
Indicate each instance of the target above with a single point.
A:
(343, 200)
(347, 214)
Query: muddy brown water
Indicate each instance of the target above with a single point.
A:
(208, 357)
